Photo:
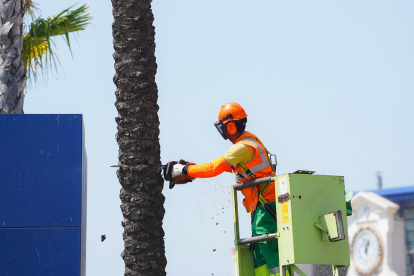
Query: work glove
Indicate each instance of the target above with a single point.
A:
(177, 170)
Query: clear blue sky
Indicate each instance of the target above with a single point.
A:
(327, 85)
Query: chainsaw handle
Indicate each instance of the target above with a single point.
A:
(172, 182)
(181, 179)
(167, 173)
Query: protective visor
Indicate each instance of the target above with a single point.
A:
(221, 129)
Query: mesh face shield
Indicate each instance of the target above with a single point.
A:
(221, 129)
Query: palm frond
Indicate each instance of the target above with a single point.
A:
(30, 9)
(29, 6)
(39, 41)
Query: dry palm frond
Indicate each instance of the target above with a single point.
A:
(30, 8)
(38, 43)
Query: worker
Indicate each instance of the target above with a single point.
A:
(247, 159)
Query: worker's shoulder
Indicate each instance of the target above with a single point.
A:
(250, 136)
(238, 146)
(239, 149)
(239, 153)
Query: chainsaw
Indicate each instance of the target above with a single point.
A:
(182, 179)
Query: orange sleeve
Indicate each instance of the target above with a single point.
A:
(211, 169)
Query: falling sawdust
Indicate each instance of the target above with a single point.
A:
(221, 191)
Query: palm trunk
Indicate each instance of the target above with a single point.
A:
(139, 149)
(12, 68)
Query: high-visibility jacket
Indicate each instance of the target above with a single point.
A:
(259, 166)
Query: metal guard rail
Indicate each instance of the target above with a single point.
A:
(257, 239)
(254, 182)
(250, 183)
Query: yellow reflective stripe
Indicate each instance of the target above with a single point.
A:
(242, 170)
(262, 200)
(262, 191)
(243, 167)
(265, 187)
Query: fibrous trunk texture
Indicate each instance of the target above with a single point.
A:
(139, 149)
(12, 68)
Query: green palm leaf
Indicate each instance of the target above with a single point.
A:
(38, 42)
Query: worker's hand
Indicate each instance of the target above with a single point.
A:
(177, 170)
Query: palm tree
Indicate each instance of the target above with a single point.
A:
(24, 49)
(139, 150)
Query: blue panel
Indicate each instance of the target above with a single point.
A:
(40, 251)
(395, 191)
(40, 170)
(398, 195)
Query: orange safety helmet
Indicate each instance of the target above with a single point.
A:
(229, 113)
